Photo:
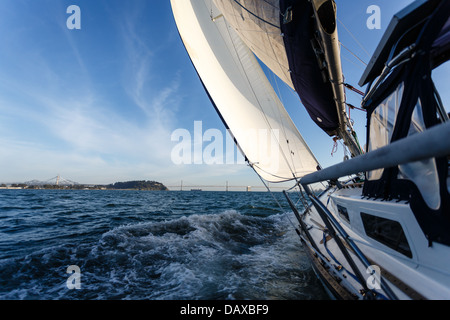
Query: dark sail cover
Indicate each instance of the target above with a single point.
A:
(315, 92)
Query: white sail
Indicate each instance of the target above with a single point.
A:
(258, 26)
(242, 94)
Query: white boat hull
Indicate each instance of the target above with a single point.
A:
(421, 272)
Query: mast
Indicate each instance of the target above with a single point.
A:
(327, 37)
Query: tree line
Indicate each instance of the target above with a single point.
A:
(138, 185)
(128, 185)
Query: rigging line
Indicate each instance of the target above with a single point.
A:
(256, 97)
(284, 179)
(258, 31)
(243, 7)
(352, 53)
(236, 56)
(349, 110)
(254, 44)
(273, 196)
(291, 152)
(296, 96)
(352, 88)
(299, 200)
(346, 152)
(293, 170)
(271, 4)
(353, 107)
(302, 198)
(283, 68)
(352, 62)
(211, 11)
(336, 261)
(354, 38)
(335, 147)
(237, 14)
(279, 115)
(278, 88)
(341, 266)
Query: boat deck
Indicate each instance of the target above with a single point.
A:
(394, 243)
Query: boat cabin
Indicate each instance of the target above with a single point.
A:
(401, 101)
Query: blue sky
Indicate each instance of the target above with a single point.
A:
(99, 105)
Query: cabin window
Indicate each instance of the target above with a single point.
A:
(343, 213)
(386, 231)
(422, 173)
(382, 123)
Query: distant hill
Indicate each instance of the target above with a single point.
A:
(138, 185)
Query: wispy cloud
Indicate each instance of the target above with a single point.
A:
(93, 107)
(79, 128)
(144, 81)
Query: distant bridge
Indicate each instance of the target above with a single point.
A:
(60, 181)
(57, 181)
(225, 187)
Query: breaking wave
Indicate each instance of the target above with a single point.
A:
(227, 255)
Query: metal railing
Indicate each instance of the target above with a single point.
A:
(434, 142)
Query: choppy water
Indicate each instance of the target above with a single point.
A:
(151, 245)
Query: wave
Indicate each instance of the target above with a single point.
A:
(226, 255)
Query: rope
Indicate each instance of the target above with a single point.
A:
(343, 268)
(261, 109)
(243, 7)
(273, 196)
(353, 53)
(239, 62)
(354, 38)
(335, 146)
(336, 260)
(348, 86)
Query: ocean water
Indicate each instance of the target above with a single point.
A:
(141, 245)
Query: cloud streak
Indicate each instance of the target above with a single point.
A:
(96, 106)
(77, 128)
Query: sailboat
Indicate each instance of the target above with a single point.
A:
(380, 227)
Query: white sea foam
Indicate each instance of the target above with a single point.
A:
(215, 255)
